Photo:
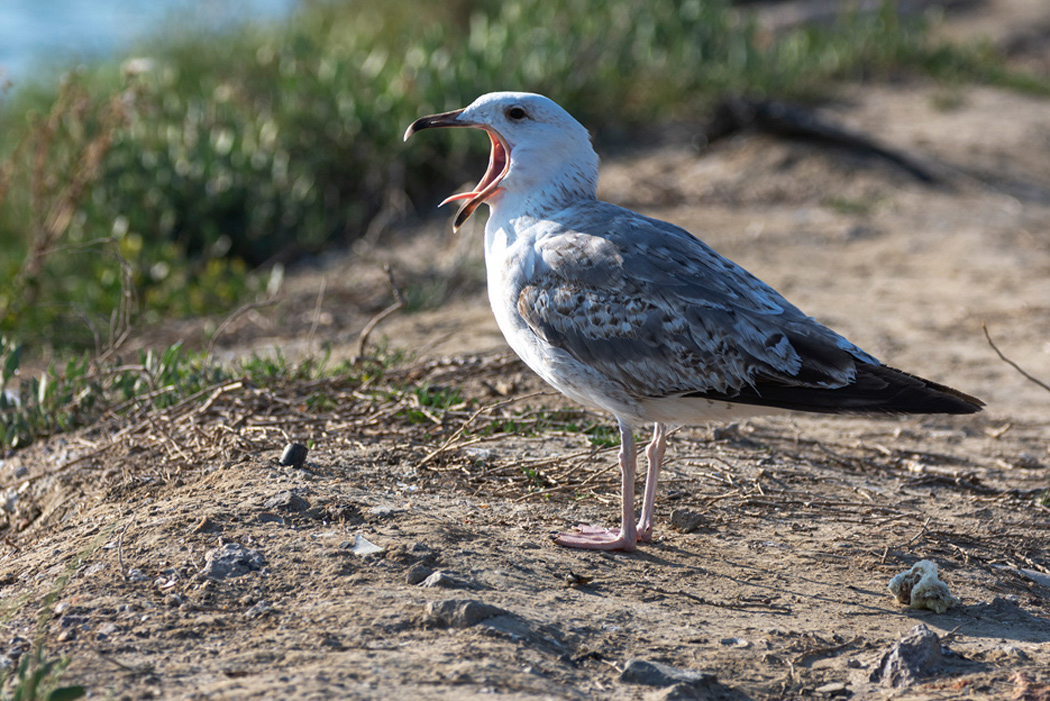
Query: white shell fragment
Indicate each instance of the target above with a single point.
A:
(363, 547)
(920, 588)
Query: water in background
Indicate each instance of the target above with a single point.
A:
(57, 33)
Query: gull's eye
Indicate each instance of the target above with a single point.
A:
(516, 113)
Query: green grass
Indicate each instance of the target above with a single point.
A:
(156, 188)
(84, 389)
(37, 678)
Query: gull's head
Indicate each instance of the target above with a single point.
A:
(541, 157)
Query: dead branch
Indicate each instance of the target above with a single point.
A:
(399, 301)
(1011, 363)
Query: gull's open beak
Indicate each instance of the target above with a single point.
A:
(499, 162)
(445, 119)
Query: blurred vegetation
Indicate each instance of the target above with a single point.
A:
(156, 185)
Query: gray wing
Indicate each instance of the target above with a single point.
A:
(660, 313)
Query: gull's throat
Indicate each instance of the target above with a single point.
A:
(499, 164)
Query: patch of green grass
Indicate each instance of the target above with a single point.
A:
(37, 678)
(65, 397)
(430, 402)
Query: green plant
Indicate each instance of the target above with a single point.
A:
(428, 402)
(37, 678)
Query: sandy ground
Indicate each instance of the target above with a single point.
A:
(773, 578)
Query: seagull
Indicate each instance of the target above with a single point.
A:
(636, 316)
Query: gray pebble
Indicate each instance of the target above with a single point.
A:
(686, 520)
(459, 613)
(683, 692)
(916, 655)
(383, 511)
(659, 674)
(286, 500)
(231, 560)
(444, 581)
(417, 573)
(833, 689)
(71, 621)
(736, 642)
(260, 609)
(137, 575)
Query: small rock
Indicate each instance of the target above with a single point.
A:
(331, 640)
(17, 647)
(10, 499)
(382, 511)
(94, 569)
(444, 581)
(231, 560)
(73, 621)
(686, 520)
(659, 674)
(736, 642)
(417, 573)
(458, 613)
(833, 689)
(294, 455)
(67, 635)
(917, 655)
(260, 609)
(1014, 652)
(342, 512)
(678, 692)
(109, 628)
(1025, 461)
(286, 500)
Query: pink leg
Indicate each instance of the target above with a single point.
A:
(654, 455)
(626, 536)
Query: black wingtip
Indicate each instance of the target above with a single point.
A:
(877, 389)
(942, 399)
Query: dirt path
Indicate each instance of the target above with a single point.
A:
(788, 529)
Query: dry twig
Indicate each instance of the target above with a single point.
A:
(399, 301)
(1011, 363)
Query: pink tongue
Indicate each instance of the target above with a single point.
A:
(460, 196)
